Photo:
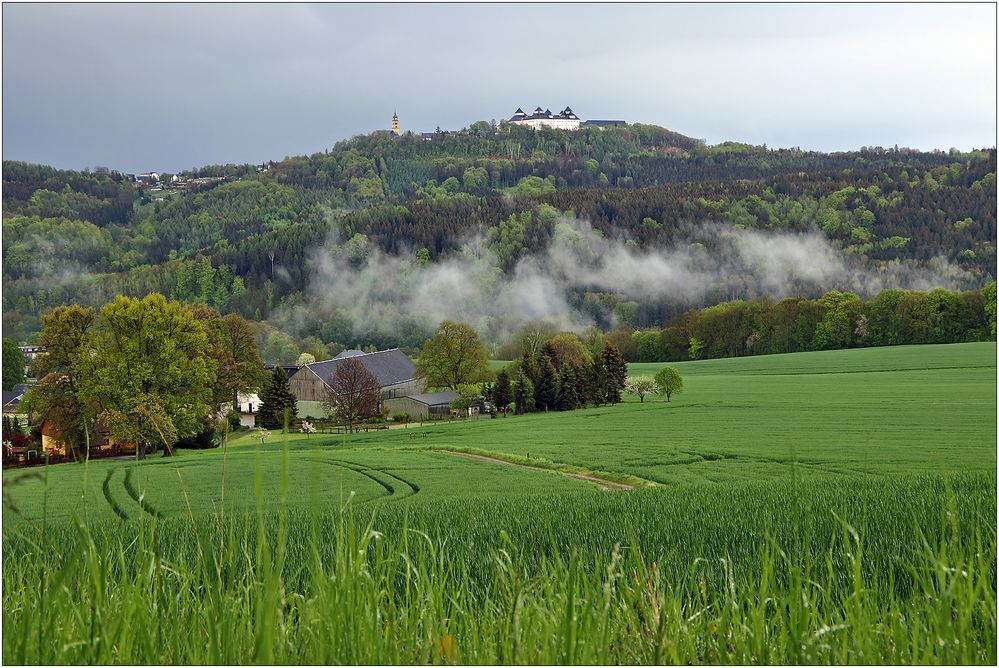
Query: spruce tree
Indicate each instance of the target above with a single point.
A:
(595, 381)
(617, 372)
(546, 391)
(277, 397)
(502, 392)
(549, 350)
(569, 395)
(529, 368)
(523, 394)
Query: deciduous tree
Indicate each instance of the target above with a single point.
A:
(152, 372)
(61, 398)
(670, 381)
(566, 348)
(13, 364)
(352, 393)
(640, 386)
(453, 356)
(234, 348)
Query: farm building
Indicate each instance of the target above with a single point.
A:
(422, 406)
(395, 372)
(249, 406)
(12, 403)
(100, 441)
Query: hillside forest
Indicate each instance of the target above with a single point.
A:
(668, 247)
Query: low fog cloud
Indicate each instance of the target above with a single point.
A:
(716, 262)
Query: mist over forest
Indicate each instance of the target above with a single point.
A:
(371, 243)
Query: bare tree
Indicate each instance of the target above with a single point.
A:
(352, 393)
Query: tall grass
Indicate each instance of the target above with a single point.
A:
(900, 583)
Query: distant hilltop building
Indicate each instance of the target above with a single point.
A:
(565, 120)
(395, 123)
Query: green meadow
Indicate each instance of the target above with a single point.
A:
(831, 507)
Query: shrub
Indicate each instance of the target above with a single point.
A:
(400, 417)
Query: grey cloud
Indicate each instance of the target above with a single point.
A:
(170, 86)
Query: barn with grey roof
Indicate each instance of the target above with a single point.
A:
(395, 372)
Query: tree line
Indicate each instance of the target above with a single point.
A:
(835, 320)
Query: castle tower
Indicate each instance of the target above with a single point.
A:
(395, 123)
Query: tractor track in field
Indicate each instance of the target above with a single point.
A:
(414, 488)
(138, 498)
(603, 482)
(368, 472)
(106, 488)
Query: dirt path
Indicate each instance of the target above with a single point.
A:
(605, 484)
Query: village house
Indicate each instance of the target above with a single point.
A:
(395, 372)
(30, 352)
(101, 443)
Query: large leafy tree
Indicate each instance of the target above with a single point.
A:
(152, 371)
(566, 348)
(61, 397)
(234, 348)
(277, 401)
(453, 356)
(13, 364)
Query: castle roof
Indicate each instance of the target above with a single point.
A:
(540, 114)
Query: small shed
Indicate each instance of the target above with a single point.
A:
(427, 406)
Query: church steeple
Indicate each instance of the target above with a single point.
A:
(395, 123)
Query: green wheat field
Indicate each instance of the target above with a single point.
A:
(831, 507)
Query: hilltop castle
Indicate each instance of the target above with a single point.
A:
(541, 118)
(565, 120)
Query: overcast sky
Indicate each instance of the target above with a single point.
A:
(168, 87)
